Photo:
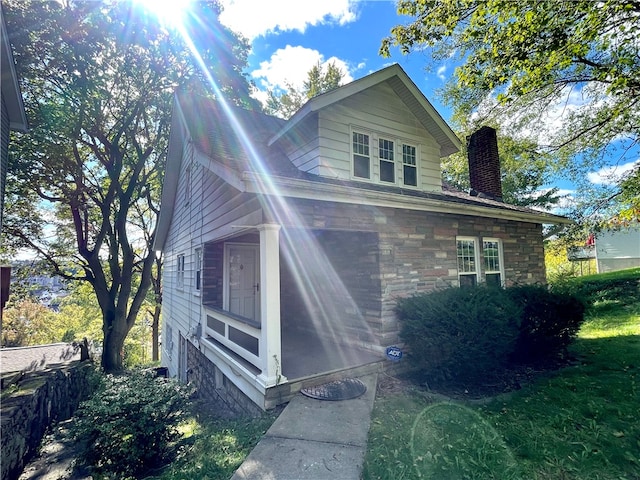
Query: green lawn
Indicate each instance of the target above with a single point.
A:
(580, 422)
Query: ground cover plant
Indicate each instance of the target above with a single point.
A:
(576, 422)
(130, 424)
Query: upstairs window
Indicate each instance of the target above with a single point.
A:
(467, 262)
(492, 253)
(409, 165)
(361, 155)
(387, 162)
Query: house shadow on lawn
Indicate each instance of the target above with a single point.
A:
(586, 356)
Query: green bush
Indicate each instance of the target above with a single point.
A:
(548, 324)
(129, 424)
(460, 334)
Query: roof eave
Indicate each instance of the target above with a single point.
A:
(10, 86)
(305, 189)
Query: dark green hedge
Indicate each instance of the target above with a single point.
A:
(469, 335)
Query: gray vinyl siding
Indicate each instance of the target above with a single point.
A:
(211, 210)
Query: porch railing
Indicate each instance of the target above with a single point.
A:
(240, 335)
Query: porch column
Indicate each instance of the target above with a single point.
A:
(270, 344)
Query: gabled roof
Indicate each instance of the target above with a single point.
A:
(9, 82)
(241, 147)
(406, 90)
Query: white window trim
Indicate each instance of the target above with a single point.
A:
(168, 343)
(197, 269)
(394, 152)
(476, 254)
(180, 269)
(352, 164)
(401, 164)
(500, 259)
(374, 158)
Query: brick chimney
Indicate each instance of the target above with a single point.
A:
(484, 164)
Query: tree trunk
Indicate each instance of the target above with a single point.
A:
(113, 351)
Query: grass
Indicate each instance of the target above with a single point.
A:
(580, 422)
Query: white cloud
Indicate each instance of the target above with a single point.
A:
(440, 72)
(611, 175)
(253, 18)
(290, 65)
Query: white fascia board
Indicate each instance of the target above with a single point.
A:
(296, 188)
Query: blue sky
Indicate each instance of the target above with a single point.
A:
(288, 37)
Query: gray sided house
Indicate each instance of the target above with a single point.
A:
(287, 243)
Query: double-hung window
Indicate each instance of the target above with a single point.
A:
(469, 264)
(467, 252)
(387, 162)
(180, 271)
(361, 155)
(409, 165)
(492, 255)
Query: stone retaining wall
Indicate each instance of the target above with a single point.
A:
(39, 399)
(225, 398)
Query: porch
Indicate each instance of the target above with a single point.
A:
(272, 323)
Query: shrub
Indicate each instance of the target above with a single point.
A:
(461, 334)
(130, 423)
(548, 324)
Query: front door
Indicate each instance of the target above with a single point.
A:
(243, 280)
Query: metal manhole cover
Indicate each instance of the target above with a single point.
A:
(339, 390)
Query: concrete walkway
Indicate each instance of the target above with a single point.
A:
(314, 440)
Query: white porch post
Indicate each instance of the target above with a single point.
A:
(270, 343)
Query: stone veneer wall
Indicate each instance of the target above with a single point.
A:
(345, 286)
(417, 251)
(212, 386)
(40, 399)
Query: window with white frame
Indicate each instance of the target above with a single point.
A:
(198, 268)
(492, 261)
(387, 162)
(467, 253)
(380, 158)
(168, 339)
(180, 271)
(409, 165)
(361, 155)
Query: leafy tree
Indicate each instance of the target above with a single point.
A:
(292, 99)
(98, 80)
(26, 322)
(520, 58)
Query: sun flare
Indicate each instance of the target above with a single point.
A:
(169, 12)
